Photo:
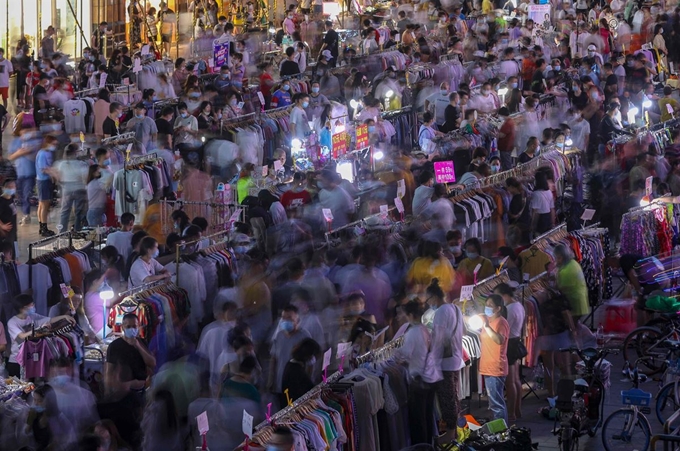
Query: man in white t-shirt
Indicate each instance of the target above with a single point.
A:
(580, 131)
(509, 66)
(438, 102)
(485, 102)
(122, 239)
(6, 70)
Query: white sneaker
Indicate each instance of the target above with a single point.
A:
(25, 220)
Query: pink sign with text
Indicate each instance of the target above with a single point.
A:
(444, 172)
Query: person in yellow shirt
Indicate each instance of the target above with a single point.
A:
(473, 250)
(429, 265)
(487, 6)
(666, 100)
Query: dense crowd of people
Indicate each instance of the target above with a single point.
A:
(293, 291)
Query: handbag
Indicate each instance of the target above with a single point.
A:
(516, 350)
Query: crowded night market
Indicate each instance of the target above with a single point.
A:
(363, 225)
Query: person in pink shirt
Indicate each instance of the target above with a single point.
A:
(288, 24)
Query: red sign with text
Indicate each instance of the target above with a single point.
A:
(362, 136)
(339, 145)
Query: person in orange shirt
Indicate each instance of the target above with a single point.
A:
(528, 67)
(493, 363)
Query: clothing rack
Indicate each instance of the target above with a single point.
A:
(143, 287)
(220, 212)
(355, 223)
(394, 113)
(643, 209)
(382, 353)
(124, 138)
(39, 242)
(178, 256)
(295, 405)
(559, 228)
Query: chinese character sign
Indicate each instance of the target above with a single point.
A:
(362, 136)
(221, 53)
(339, 144)
(443, 172)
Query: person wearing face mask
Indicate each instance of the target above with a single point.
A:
(509, 66)
(289, 67)
(282, 348)
(238, 71)
(317, 101)
(455, 252)
(414, 351)
(40, 98)
(214, 335)
(530, 151)
(282, 96)
(21, 326)
(77, 404)
(485, 102)
(299, 122)
(493, 364)
(96, 196)
(437, 103)
(608, 127)
(296, 374)
(289, 24)
(111, 125)
(146, 269)
(144, 127)
(186, 129)
(452, 114)
(473, 250)
(495, 165)
(542, 206)
(580, 130)
(8, 214)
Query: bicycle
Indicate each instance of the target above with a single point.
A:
(668, 398)
(649, 344)
(628, 428)
(580, 403)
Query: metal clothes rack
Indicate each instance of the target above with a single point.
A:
(177, 250)
(384, 352)
(144, 287)
(357, 223)
(219, 212)
(559, 228)
(124, 138)
(644, 209)
(289, 410)
(62, 235)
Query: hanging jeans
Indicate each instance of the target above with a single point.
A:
(494, 390)
(73, 199)
(421, 412)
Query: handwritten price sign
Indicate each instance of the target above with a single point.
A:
(362, 136)
(444, 172)
(339, 144)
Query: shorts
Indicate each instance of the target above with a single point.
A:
(166, 38)
(4, 93)
(554, 342)
(45, 190)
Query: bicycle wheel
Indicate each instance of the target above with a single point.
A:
(626, 430)
(644, 344)
(569, 440)
(666, 404)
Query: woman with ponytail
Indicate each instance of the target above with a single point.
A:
(447, 347)
(493, 364)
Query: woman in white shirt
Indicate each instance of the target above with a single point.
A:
(96, 197)
(300, 57)
(414, 351)
(513, 383)
(542, 206)
(146, 269)
(299, 123)
(447, 345)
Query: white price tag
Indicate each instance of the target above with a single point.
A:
(327, 358)
(202, 421)
(477, 268)
(399, 204)
(36, 356)
(669, 108)
(648, 186)
(261, 97)
(145, 49)
(466, 292)
(247, 424)
(500, 265)
(102, 81)
(342, 349)
(588, 214)
(211, 62)
(137, 66)
(384, 210)
(265, 170)
(235, 216)
(278, 165)
(397, 37)
(526, 277)
(401, 189)
(129, 148)
(328, 214)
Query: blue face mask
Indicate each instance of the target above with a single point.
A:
(9, 191)
(371, 129)
(107, 162)
(287, 326)
(305, 104)
(38, 409)
(286, 87)
(488, 311)
(60, 380)
(139, 116)
(30, 310)
(444, 92)
(130, 333)
(315, 90)
(184, 115)
(195, 95)
(557, 68)
(155, 254)
(514, 85)
(472, 255)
